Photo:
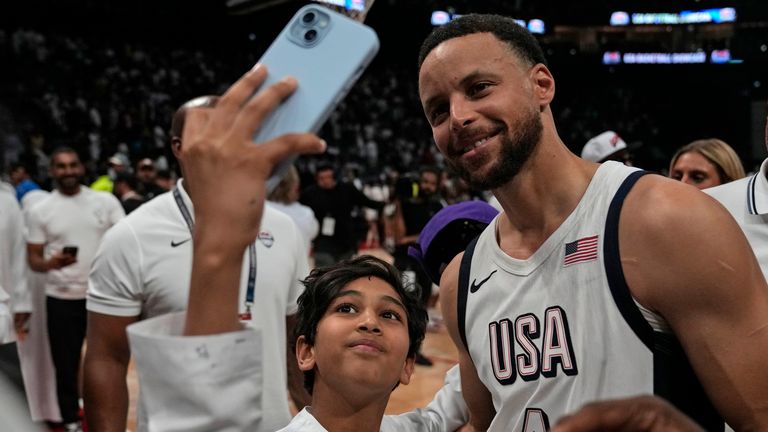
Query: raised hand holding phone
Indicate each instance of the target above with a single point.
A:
(326, 53)
(218, 146)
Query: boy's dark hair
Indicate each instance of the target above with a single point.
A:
(520, 40)
(324, 284)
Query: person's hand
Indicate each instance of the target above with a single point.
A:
(638, 414)
(21, 324)
(226, 172)
(60, 260)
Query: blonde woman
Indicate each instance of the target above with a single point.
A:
(706, 163)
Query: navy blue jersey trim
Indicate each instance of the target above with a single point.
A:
(673, 376)
(613, 270)
(461, 295)
(675, 381)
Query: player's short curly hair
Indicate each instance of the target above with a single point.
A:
(519, 39)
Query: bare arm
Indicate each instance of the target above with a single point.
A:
(299, 394)
(477, 396)
(39, 264)
(686, 258)
(218, 144)
(106, 365)
(399, 227)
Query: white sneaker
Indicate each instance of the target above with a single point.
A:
(73, 427)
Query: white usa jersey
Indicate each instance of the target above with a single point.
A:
(560, 329)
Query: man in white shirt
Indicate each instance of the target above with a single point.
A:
(64, 232)
(15, 306)
(142, 270)
(747, 201)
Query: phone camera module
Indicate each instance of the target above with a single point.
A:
(308, 18)
(310, 35)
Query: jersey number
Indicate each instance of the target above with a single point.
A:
(536, 420)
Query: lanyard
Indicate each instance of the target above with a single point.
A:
(251, 255)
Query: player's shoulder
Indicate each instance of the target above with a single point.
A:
(449, 280)
(657, 201)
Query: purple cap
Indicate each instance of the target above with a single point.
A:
(473, 211)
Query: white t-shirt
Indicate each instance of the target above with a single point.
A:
(304, 218)
(143, 269)
(14, 296)
(78, 220)
(747, 201)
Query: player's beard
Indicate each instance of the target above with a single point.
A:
(516, 148)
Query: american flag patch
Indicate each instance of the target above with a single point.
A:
(582, 250)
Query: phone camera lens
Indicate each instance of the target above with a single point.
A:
(310, 35)
(308, 17)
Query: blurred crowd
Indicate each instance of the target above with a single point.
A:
(103, 98)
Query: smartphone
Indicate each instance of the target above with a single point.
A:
(326, 52)
(70, 250)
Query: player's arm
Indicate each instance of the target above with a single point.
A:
(685, 257)
(105, 369)
(299, 394)
(476, 395)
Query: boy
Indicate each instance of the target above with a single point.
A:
(357, 337)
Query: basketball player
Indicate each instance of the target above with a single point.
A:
(596, 282)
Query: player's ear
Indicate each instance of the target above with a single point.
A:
(305, 354)
(544, 84)
(408, 366)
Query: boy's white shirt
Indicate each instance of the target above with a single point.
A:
(203, 383)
